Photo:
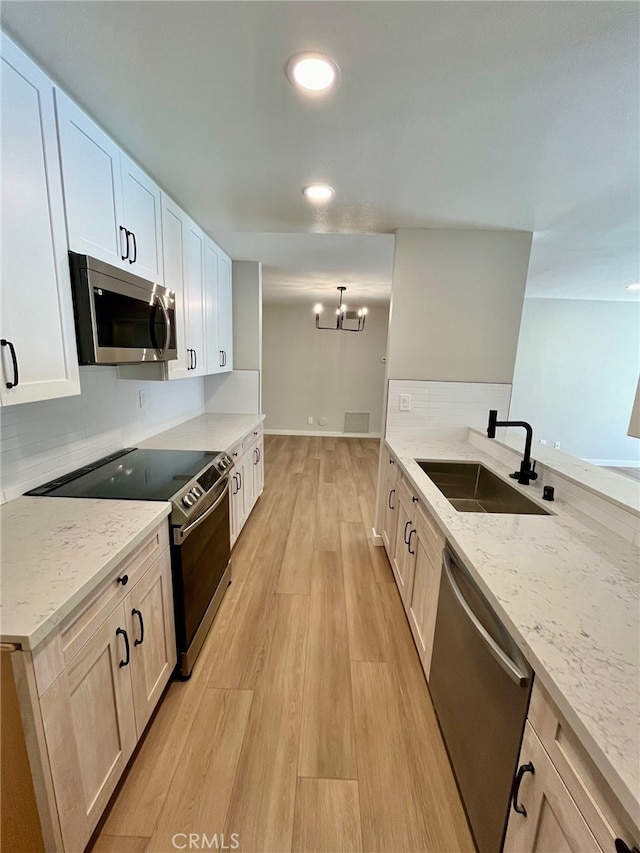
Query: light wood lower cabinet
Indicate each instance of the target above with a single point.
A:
(552, 822)
(569, 806)
(390, 505)
(90, 730)
(94, 684)
(246, 479)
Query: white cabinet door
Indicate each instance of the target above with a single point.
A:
(225, 313)
(212, 336)
(194, 293)
(143, 219)
(37, 313)
(149, 608)
(92, 185)
(173, 260)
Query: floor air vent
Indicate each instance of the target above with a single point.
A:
(356, 421)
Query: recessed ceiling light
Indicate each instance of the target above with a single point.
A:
(313, 72)
(318, 192)
(633, 286)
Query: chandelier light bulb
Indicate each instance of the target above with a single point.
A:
(317, 309)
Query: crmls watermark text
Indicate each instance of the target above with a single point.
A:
(202, 841)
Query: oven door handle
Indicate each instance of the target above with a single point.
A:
(510, 667)
(162, 353)
(182, 532)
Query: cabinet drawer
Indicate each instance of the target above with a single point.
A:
(56, 652)
(391, 467)
(593, 796)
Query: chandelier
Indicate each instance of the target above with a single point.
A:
(343, 315)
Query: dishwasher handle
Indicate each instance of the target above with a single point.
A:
(510, 667)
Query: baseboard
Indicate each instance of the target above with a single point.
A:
(615, 463)
(322, 432)
(377, 538)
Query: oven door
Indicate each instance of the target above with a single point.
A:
(200, 553)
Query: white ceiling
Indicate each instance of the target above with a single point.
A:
(517, 115)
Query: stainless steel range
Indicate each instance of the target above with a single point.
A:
(197, 485)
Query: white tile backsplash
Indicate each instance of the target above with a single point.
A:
(444, 406)
(39, 441)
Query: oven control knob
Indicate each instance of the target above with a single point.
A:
(195, 491)
(187, 500)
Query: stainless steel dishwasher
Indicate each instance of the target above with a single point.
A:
(480, 684)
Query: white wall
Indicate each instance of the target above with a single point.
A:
(576, 376)
(456, 304)
(39, 441)
(307, 372)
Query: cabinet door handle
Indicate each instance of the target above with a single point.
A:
(392, 492)
(136, 612)
(224, 358)
(126, 234)
(409, 542)
(621, 847)
(524, 768)
(240, 480)
(404, 535)
(14, 361)
(124, 662)
(195, 359)
(135, 247)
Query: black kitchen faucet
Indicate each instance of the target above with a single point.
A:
(527, 470)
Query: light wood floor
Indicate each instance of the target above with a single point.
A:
(307, 724)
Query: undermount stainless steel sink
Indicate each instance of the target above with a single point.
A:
(470, 487)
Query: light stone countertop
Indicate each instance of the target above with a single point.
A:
(206, 432)
(56, 550)
(568, 591)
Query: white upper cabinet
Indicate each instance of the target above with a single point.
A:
(112, 206)
(143, 220)
(92, 185)
(173, 258)
(212, 339)
(183, 252)
(225, 313)
(194, 290)
(38, 351)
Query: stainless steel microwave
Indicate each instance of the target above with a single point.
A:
(120, 318)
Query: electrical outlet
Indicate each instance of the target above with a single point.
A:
(542, 440)
(142, 397)
(309, 420)
(405, 402)
(556, 444)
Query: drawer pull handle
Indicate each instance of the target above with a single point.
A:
(392, 492)
(124, 580)
(524, 768)
(137, 613)
(124, 662)
(621, 847)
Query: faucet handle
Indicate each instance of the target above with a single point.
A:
(532, 470)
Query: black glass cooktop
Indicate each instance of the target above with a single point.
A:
(131, 474)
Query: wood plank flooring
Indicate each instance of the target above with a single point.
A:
(307, 724)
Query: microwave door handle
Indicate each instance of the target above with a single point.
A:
(167, 321)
